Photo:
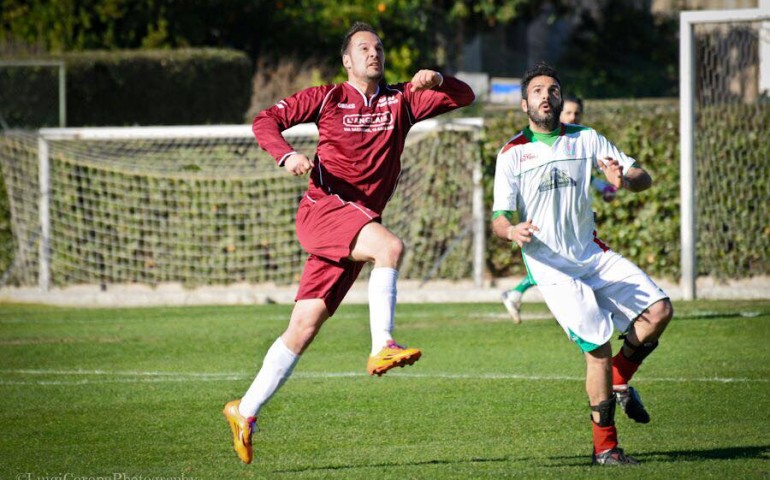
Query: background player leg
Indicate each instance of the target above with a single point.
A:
(512, 297)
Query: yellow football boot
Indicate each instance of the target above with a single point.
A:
(391, 356)
(242, 428)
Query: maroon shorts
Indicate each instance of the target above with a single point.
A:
(326, 229)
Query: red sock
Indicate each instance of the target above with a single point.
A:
(605, 438)
(622, 369)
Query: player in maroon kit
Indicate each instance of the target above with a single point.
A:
(362, 126)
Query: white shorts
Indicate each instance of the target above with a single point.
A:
(614, 293)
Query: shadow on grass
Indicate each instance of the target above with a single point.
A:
(696, 315)
(729, 453)
(335, 468)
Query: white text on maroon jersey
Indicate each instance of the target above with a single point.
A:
(368, 122)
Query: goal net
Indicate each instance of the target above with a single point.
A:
(725, 135)
(206, 206)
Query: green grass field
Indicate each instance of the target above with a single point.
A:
(138, 393)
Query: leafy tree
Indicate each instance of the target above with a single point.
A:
(416, 32)
(627, 52)
(67, 25)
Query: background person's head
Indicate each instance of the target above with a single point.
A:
(541, 96)
(363, 55)
(572, 110)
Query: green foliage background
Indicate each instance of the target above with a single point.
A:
(628, 53)
(421, 31)
(644, 227)
(157, 211)
(733, 160)
(131, 87)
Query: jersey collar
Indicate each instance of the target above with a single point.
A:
(367, 101)
(547, 138)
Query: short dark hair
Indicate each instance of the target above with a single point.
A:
(573, 99)
(537, 70)
(355, 28)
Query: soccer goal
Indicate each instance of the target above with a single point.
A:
(204, 205)
(725, 144)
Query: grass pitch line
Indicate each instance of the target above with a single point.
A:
(106, 376)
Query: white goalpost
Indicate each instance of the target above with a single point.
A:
(203, 205)
(724, 84)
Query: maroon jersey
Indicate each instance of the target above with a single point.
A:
(358, 156)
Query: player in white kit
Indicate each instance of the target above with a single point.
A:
(543, 176)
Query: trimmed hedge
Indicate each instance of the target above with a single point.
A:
(132, 87)
(29, 96)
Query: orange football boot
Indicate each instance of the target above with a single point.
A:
(391, 356)
(242, 428)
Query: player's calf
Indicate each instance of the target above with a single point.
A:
(606, 449)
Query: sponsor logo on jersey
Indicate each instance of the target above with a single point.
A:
(346, 105)
(383, 101)
(367, 122)
(570, 146)
(555, 179)
(528, 156)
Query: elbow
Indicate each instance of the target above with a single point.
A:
(637, 180)
(255, 124)
(644, 182)
(640, 185)
(470, 97)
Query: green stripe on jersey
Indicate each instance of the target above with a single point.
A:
(574, 128)
(503, 213)
(584, 346)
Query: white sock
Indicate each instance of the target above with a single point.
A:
(276, 368)
(382, 305)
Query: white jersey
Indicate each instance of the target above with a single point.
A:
(550, 185)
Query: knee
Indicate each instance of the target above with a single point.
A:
(303, 327)
(299, 335)
(394, 250)
(600, 356)
(661, 313)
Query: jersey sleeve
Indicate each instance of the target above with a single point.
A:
(605, 148)
(506, 187)
(302, 107)
(452, 94)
